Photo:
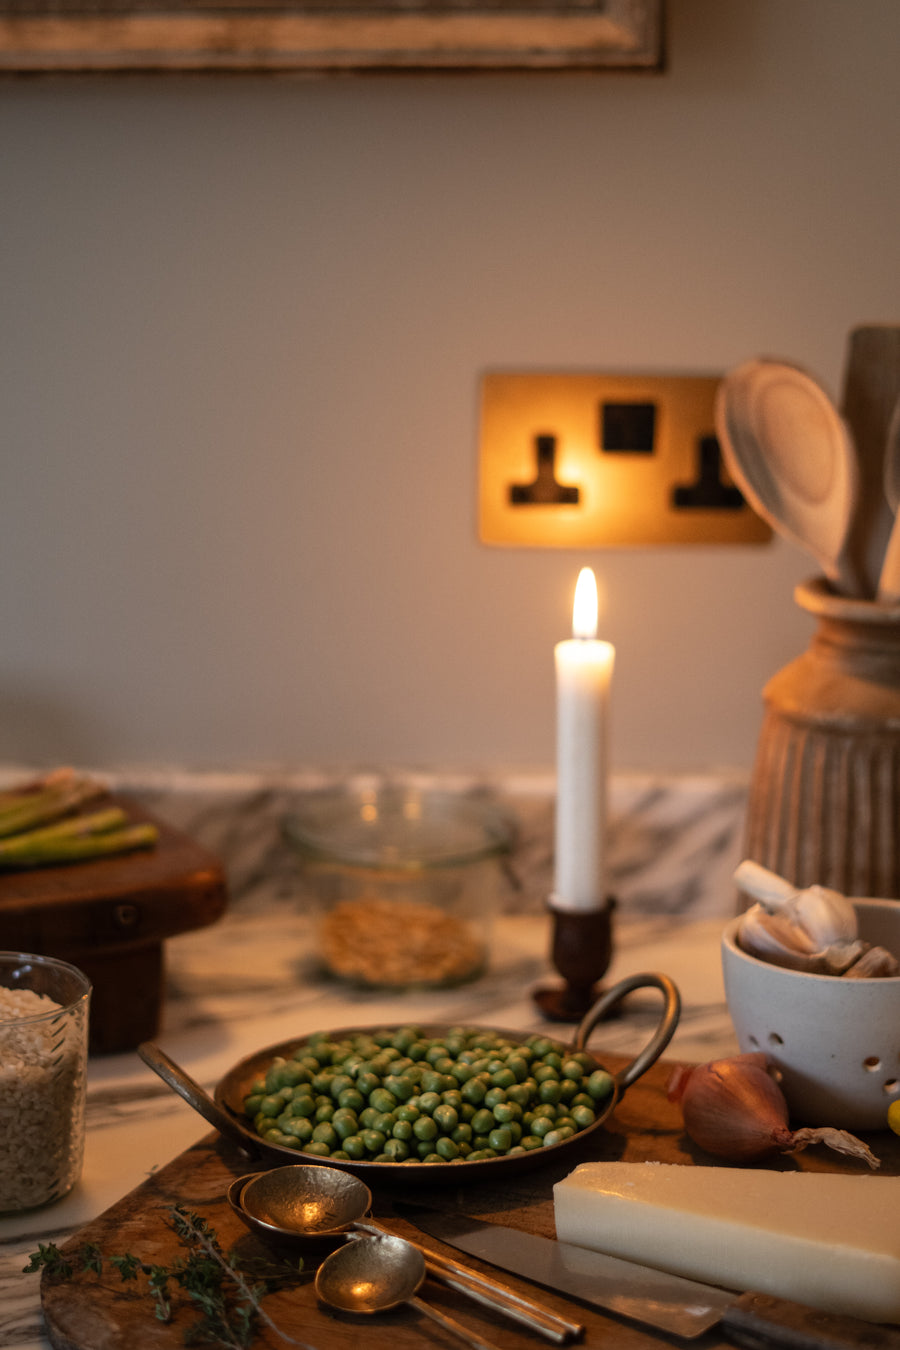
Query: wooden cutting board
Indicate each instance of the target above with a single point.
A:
(110, 917)
(101, 1313)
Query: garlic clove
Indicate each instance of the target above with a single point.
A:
(839, 957)
(762, 885)
(778, 940)
(826, 915)
(874, 962)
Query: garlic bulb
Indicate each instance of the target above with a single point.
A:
(826, 915)
(813, 929)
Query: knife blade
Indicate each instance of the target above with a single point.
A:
(670, 1303)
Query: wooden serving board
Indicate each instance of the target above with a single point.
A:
(101, 1313)
(110, 917)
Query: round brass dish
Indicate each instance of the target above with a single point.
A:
(225, 1109)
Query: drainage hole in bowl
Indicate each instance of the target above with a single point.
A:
(871, 1063)
(891, 1088)
(775, 1039)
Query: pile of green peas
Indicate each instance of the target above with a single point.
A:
(401, 1096)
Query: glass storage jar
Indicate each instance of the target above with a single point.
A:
(43, 1072)
(404, 880)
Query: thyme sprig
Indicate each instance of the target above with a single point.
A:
(227, 1299)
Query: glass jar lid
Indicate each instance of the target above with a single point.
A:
(399, 827)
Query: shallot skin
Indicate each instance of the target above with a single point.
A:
(733, 1108)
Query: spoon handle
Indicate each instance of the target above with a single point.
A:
(491, 1293)
(449, 1324)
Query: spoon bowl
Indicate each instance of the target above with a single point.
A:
(303, 1203)
(371, 1275)
(377, 1274)
(790, 452)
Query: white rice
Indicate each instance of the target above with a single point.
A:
(42, 1083)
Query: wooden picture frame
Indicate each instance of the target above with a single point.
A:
(329, 36)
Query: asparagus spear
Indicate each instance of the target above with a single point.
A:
(56, 795)
(89, 836)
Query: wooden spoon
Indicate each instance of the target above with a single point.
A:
(889, 577)
(790, 453)
(871, 388)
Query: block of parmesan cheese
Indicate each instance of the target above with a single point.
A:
(825, 1239)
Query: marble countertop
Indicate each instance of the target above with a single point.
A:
(249, 980)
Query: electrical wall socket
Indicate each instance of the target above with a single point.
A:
(596, 460)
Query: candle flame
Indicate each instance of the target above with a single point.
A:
(584, 611)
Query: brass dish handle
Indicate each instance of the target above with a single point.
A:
(664, 1032)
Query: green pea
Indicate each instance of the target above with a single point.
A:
(272, 1105)
(557, 1136)
(299, 1128)
(429, 1102)
(583, 1116)
(396, 1149)
(482, 1121)
(446, 1148)
(374, 1140)
(402, 1129)
(503, 1077)
(493, 1096)
(473, 1090)
(325, 1133)
(425, 1129)
(571, 1068)
(318, 1147)
(500, 1138)
(344, 1122)
(600, 1084)
(518, 1066)
(400, 1087)
(354, 1147)
(446, 1118)
(351, 1099)
(407, 1112)
(550, 1090)
(382, 1100)
(324, 1112)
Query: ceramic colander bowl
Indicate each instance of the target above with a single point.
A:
(835, 1041)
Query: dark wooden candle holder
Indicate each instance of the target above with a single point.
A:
(581, 951)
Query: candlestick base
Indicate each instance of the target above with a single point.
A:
(581, 952)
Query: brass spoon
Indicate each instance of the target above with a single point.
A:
(377, 1273)
(310, 1203)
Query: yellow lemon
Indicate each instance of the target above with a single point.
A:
(894, 1116)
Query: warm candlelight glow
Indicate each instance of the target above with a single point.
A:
(584, 611)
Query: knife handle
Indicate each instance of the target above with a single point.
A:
(759, 1320)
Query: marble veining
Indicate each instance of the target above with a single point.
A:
(251, 980)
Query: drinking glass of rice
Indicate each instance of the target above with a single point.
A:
(43, 1070)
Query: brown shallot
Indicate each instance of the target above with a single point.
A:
(734, 1108)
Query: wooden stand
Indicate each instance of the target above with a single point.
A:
(581, 951)
(110, 917)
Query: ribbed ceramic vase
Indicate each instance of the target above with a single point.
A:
(824, 801)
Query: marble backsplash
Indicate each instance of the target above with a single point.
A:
(674, 841)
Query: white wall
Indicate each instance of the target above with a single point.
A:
(241, 327)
